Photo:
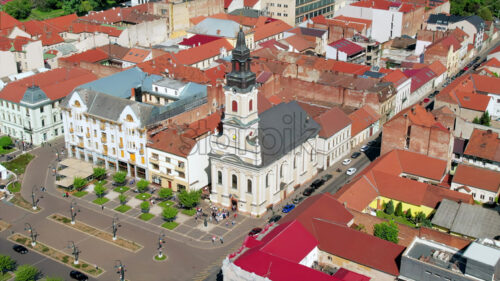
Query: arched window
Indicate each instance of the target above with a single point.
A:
(234, 181)
(295, 162)
(77, 104)
(235, 106)
(219, 177)
(249, 186)
(282, 172)
(129, 118)
(250, 105)
(267, 180)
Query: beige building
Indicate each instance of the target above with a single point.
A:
(294, 12)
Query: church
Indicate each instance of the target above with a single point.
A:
(258, 159)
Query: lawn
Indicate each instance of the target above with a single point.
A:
(121, 189)
(143, 196)
(100, 201)
(170, 225)
(39, 15)
(5, 277)
(146, 216)
(19, 164)
(102, 182)
(189, 212)
(401, 220)
(5, 151)
(166, 203)
(80, 193)
(123, 208)
(14, 187)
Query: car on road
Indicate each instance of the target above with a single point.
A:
(466, 68)
(317, 183)
(297, 200)
(77, 275)
(275, 218)
(346, 162)
(351, 171)
(308, 191)
(287, 208)
(364, 148)
(355, 155)
(426, 100)
(254, 231)
(20, 249)
(326, 177)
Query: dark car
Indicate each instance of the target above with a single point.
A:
(317, 183)
(297, 200)
(77, 275)
(275, 218)
(326, 177)
(308, 191)
(254, 231)
(20, 249)
(355, 155)
(287, 208)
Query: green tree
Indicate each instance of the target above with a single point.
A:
(399, 210)
(476, 120)
(142, 185)
(145, 207)
(169, 213)
(122, 198)
(120, 177)
(5, 141)
(420, 217)
(72, 6)
(485, 13)
(408, 214)
(79, 183)
(99, 173)
(189, 199)
(98, 4)
(387, 230)
(165, 193)
(6, 264)
(99, 190)
(27, 272)
(485, 119)
(19, 9)
(53, 279)
(47, 5)
(389, 208)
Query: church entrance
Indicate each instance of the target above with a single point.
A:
(234, 204)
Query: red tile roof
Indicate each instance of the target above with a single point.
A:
(358, 247)
(136, 14)
(493, 62)
(484, 144)
(362, 119)
(332, 122)
(347, 275)
(197, 40)
(471, 100)
(346, 46)
(347, 67)
(250, 3)
(203, 52)
(94, 55)
(486, 84)
(419, 77)
(83, 27)
(395, 76)
(477, 177)
(135, 55)
(299, 43)
(270, 29)
(7, 21)
(437, 67)
(56, 83)
(353, 22)
(496, 50)
(227, 3)
(273, 44)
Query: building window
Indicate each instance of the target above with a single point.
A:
(235, 106)
(267, 180)
(167, 159)
(482, 196)
(219, 177)
(182, 175)
(43, 123)
(250, 105)
(234, 182)
(249, 186)
(41, 109)
(155, 166)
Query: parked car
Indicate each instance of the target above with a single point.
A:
(20, 249)
(355, 155)
(297, 200)
(326, 177)
(346, 162)
(254, 231)
(77, 275)
(364, 148)
(287, 208)
(275, 218)
(466, 68)
(351, 171)
(317, 183)
(308, 191)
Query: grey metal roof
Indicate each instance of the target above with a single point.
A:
(251, 13)
(283, 128)
(444, 19)
(486, 254)
(170, 83)
(470, 220)
(216, 27)
(476, 21)
(315, 32)
(66, 48)
(34, 95)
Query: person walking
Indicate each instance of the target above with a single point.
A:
(213, 239)
(221, 240)
(102, 207)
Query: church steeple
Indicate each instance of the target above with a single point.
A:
(241, 77)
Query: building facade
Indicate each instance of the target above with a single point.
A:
(293, 12)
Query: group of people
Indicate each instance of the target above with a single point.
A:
(214, 238)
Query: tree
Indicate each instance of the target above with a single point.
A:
(6, 264)
(72, 6)
(53, 279)
(485, 13)
(99, 173)
(122, 198)
(47, 5)
(387, 230)
(145, 207)
(79, 183)
(19, 9)
(27, 272)
(169, 213)
(120, 177)
(189, 199)
(5, 141)
(399, 210)
(420, 217)
(485, 118)
(98, 4)
(408, 214)
(165, 193)
(142, 185)
(99, 190)
(389, 208)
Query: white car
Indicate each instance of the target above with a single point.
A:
(346, 162)
(364, 148)
(351, 171)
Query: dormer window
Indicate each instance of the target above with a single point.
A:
(76, 104)
(129, 118)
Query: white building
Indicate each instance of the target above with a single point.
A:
(258, 159)
(403, 89)
(29, 107)
(482, 184)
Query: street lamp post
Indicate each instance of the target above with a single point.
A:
(76, 252)
(161, 241)
(34, 200)
(115, 226)
(74, 210)
(120, 269)
(33, 233)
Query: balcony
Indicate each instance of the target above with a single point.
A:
(141, 151)
(103, 139)
(80, 144)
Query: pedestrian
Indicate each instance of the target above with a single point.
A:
(232, 222)
(196, 218)
(235, 215)
(221, 240)
(102, 207)
(96, 267)
(213, 239)
(227, 223)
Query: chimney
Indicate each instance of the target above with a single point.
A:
(132, 93)
(413, 110)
